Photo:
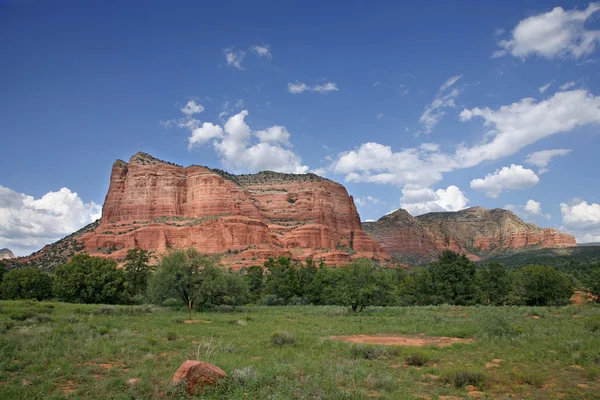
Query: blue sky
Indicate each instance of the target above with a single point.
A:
(428, 106)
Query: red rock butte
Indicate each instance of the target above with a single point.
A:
(157, 206)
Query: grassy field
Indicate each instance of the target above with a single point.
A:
(56, 350)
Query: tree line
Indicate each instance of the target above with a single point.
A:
(198, 281)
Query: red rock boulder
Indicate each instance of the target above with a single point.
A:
(198, 374)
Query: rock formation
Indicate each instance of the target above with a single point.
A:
(6, 254)
(476, 232)
(155, 205)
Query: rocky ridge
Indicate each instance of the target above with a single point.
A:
(475, 231)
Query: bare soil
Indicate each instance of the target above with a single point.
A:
(403, 340)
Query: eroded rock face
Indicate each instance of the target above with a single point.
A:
(156, 206)
(476, 232)
(198, 374)
(6, 254)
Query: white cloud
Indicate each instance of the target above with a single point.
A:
(541, 159)
(545, 87)
(533, 207)
(274, 134)
(511, 178)
(326, 87)
(379, 115)
(567, 85)
(367, 201)
(192, 108)
(299, 87)
(582, 220)
(417, 200)
(233, 144)
(203, 134)
(262, 51)
(376, 163)
(377, 83)
(27, 224)
(433, 112)
(557, 33)
(517, 125)
(451, 81)
(509, 129)
(234, 57)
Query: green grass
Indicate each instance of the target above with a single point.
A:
(56, 351)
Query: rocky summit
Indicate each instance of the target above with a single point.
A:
(6, 254)
(475, 231)
(157, 206)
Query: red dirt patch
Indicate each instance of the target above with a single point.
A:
(403, 340)
(67, 387)
(196, 321)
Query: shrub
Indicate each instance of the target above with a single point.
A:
(22, 316)
(371, 352)
(103, 330)
(271, 300)
(498, 326)
(462, 378)
(283, 338)
(417, 359)
(171, 336)
(243, 376)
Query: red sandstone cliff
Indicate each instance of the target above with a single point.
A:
(476, 232)
(156, 206)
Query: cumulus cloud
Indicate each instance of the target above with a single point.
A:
(300, 87)
(27, 224)
(203, 134)
(262, 51)
(235, 144)
(582, 220)
(433, 112)
(234, 57)
(367, 201)
(191, 108)
(545, 87)
(541, 159)
(417, 200)
(274, 134)
(507, 178)
(557, 33)
(531, 209)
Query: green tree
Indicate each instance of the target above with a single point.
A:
(138, 270)
(196, 280)
(26, 283)
(3, 269)
(360, 284)
(594, 283)
(494, 282)
(451, 280)
(282, 279)
(87, 279)
(538, 285)
(254, 280)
